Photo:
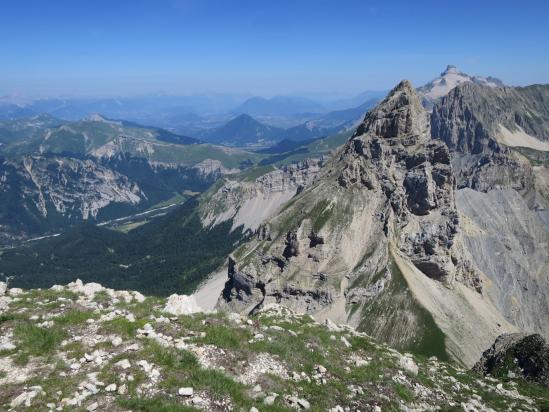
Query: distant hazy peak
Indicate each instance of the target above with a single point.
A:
(244, 117)
(450, 69)
(96, 117)
(450, 78)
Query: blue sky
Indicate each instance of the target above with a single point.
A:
(109, 48)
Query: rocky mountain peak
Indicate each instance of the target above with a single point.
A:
(450, 69)
(448, 80)
(391, 153)
(399, 115)
(383, 209)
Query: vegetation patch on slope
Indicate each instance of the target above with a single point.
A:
(274, 361)
(395, 309)
(170, 254)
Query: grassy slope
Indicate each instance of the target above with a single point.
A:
(397, 318)
(314, 149)
(83, 137)
(295, 342)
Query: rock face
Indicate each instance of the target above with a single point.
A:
(37, 188)
(55, 173)
(508, 243)
(517, 355)
(80, 187)
(385, 209)
(497, 138)
(472, 116)
(483, 136)
(250, 201)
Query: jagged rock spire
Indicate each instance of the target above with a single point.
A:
(399, 115)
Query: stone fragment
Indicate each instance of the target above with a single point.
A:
(92, 407)
(186, 391)
(269, 400)
(408, 365)
(123, 364)
(116, 341)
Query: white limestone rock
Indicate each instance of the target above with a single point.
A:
(181, 305)
(185, 391)
(408, 365)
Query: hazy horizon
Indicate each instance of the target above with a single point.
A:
(183, 47)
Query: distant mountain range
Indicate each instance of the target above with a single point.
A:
(244, 130)
(233, 120)
(11, 111)
(56, 173)
(279, 106)
(144, 109)
(182, 113)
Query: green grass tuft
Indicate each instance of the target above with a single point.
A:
(74, 317)
(37, 341)
(157, 404)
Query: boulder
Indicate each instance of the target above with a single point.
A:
(181, 305)
(15, 291)
(87, 289)
(408, 365)
(519, 355)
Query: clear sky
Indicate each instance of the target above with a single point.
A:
(118, 47)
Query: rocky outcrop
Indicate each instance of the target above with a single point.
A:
(85, 347)
(251, 201)
(379, 218)
(515, 355)
(397, 156)
(211, 167)
(181, 305)
(481, 125)
(502, 196)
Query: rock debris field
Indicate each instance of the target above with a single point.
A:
(83, 347)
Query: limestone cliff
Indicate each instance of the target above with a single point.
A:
(254, 196)
(497, 139)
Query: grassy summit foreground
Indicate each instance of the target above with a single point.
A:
(83, 347)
